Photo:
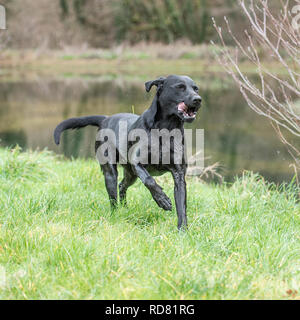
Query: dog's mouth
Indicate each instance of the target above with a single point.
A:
(186, 113)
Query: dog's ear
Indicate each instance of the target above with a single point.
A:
(158, 82)
(149, 115)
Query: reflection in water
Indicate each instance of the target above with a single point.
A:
(234, 135)
(11, 138)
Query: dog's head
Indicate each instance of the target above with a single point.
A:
(176, 96)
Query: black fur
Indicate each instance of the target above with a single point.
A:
(76, 123)
(164, 113)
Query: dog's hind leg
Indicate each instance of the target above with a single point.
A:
(111, 182)
(128, 180)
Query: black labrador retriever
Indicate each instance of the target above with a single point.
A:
(176, 101)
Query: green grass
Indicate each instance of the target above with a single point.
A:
(58, 239)
(140, 61)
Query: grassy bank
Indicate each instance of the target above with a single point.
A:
(140, 61)
(58, 238)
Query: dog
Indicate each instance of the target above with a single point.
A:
(176, 101)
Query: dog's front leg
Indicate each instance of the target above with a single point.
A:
(157, 193)
(180, 196)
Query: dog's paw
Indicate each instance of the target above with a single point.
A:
(163, 201)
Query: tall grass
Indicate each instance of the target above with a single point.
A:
(58, 238)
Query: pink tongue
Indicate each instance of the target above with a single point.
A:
(181, 106)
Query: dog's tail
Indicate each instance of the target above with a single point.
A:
(76, 123)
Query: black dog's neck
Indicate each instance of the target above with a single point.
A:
(168, 122)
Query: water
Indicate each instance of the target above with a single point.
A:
(235, 136)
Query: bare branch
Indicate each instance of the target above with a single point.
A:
(272, 36)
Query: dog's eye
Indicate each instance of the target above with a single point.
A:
(181, 86)
(196, 89)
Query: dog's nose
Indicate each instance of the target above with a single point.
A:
(197, 100)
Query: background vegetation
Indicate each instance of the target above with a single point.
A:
(93, 23)
(58, 239)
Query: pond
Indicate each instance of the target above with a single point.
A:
(235, 136)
